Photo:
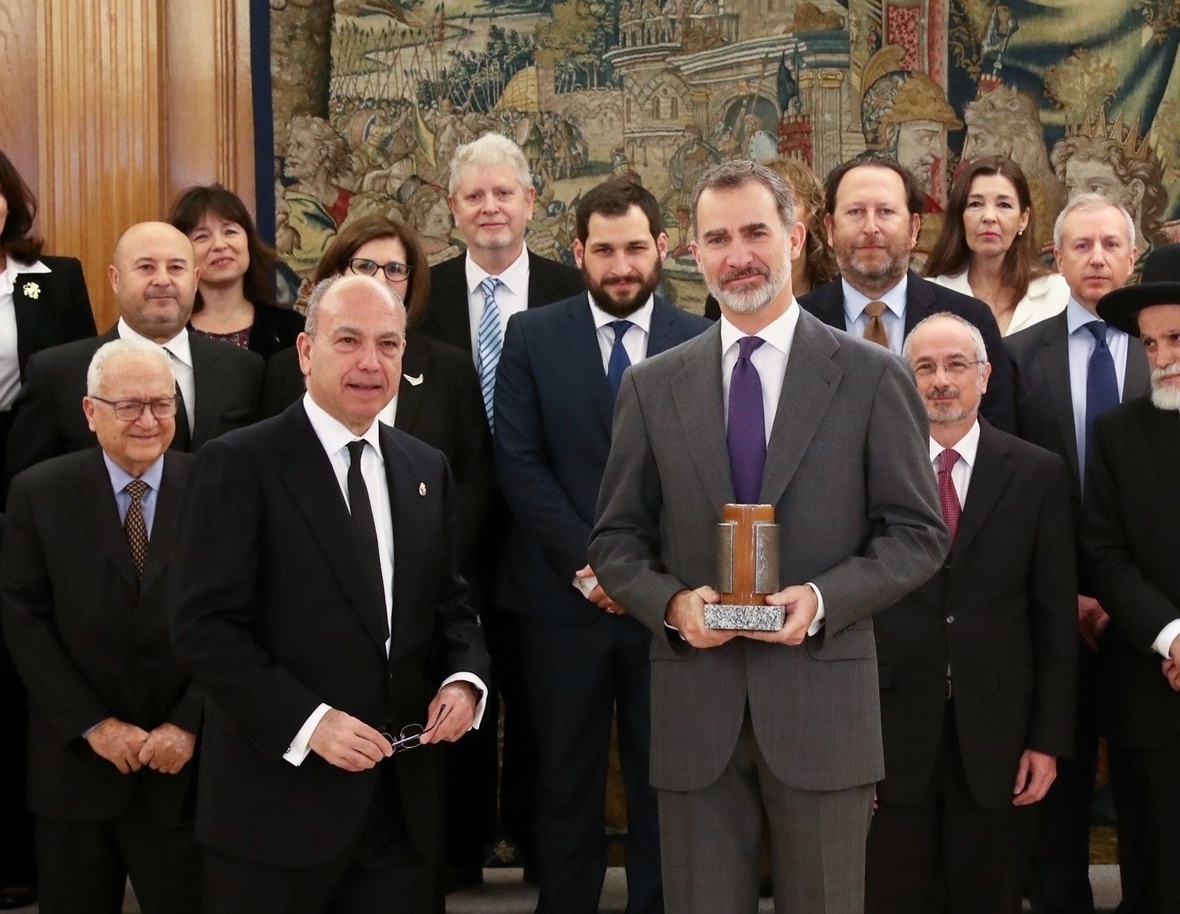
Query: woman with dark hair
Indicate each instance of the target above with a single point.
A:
(984, 249)
(235, 300)
(43, 303)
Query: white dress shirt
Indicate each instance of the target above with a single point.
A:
(856, 320)
(182, 366)
(635, 341)
(512, 295)
(335, 438)
(967, 448)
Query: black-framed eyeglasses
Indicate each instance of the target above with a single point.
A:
(410, 736)
(131, 410)
(394, 271)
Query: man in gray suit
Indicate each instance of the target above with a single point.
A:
(767, 406)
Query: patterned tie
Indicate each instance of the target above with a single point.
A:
(875, 328)
(361, 509)
(619, 360)
(490, 344)
(951, 509)
(134, 526)
(1102, 385)
(746, 435)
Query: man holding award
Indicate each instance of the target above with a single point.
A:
(774, 721)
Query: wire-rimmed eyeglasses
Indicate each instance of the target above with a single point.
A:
(410, 736)
(394, 271)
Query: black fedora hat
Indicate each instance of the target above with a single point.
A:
(1160, 285)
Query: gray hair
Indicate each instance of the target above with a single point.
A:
(738, 173)
(1084, 202)
(976, 336)
(311, 323)
(488, 151)
(121, 348)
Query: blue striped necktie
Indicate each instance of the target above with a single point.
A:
(490, 343)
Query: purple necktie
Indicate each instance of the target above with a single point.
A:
(746, 435)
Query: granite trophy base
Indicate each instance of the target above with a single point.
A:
(750, 618)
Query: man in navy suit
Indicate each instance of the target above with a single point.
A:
(491, 196)
(584, 656)
(873, 213)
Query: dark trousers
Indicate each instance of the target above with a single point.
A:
(1152, 777)
(947, 853)
(579, 677)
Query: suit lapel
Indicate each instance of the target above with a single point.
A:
(1053, 359)
(449, 310)
(989, 478)
(308, 476)
(159, 549)
(582, 344)
(828, 304)
(207, 385)
(919, 301)
(663, 328)
(1137, 378)
(697, 394)
(406, 493)
(98, 514)
(415, 364)
(809, 384)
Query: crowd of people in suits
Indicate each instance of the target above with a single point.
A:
(257, 564)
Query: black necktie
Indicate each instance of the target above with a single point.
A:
(182, 439)
(362, 516)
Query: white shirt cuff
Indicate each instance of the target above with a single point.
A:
(1163, 642)
(483, 694)
(299, 747)
(818, 622)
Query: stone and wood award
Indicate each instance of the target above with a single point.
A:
(747, 570)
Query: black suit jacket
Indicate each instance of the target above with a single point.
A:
(1132, 501)
(924, 298)
(439, 402)
(48, 418)
(553, 419)
(90, 644)
(274, 614)
(51, 308)
(447, 317)
(1002, 613)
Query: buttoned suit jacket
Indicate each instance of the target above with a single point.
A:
(88, 642)
(848, 473)
(1001, 613)
(554, 409)
(273, 613)
(1132, 499)
(48, 418)
(439, 402)
(924, 298)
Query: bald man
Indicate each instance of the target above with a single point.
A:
(154, 277)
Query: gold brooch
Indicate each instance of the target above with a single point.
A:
(32, 290)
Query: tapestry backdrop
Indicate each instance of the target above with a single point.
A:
(371, 97)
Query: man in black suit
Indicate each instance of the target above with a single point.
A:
(873, 213)
(1132, 500)
(113, 716)
(315, 598)
(491, 196)
(584, 657)
(977, 664)
(1056, 362)
(155, 281)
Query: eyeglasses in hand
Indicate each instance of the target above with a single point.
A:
(411, 735)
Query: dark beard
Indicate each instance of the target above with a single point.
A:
(628, 307)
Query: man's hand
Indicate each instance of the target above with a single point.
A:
(1036, 773)
(168, 749)
(1092, 621)
(446, 726)
(801, 605)
(598, 596)
(1171, 666)
(119, 743)
(686, 613)
(342, 740)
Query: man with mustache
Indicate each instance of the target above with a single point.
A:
(873, 216)
(154, 276)
(1132, 501)
(584, 656)
(767, 406)
(977, 664)
(1071, 368)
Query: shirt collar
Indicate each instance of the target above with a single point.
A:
(1076, 316)
(334, 436)
(177, 346)
(641, 317)
(515, 277)
(16, 267)
(120, 477)
(855, 301)
(779, 333)
(967, 446)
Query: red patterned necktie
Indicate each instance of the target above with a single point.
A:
(951, 509)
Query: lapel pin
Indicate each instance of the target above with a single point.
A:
(32, 290)
(421, 488)
(414, 380)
